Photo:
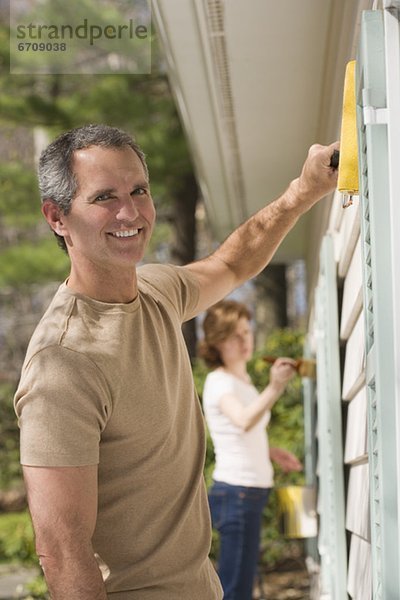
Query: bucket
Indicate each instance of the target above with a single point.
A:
(297, 510)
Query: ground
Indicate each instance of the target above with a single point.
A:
(290, 581)
(12, 581)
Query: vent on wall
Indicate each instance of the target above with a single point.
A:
(215, 17)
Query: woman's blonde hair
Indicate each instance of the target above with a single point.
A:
(219, 323)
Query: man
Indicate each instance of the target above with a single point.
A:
(112, 436)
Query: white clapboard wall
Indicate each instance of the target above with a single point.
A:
(354, 409)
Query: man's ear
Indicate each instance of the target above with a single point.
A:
(54, 216)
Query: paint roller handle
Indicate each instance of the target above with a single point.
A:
(334, 160)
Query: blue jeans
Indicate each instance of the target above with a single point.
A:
(236, 513)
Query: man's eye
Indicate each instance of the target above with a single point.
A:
(139, 191)
(102, 197)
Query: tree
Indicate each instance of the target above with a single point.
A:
(139, 103)
(29, 257)
(271, 306)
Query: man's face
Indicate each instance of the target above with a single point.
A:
(112, 215)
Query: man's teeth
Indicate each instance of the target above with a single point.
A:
(129, 233)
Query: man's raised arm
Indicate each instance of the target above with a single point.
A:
(248, 250)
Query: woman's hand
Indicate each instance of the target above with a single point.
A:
(282, 371)
(285, 459)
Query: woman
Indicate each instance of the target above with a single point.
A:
(237, 416)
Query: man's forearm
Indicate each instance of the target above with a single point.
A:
(251, 246)
(74, 577)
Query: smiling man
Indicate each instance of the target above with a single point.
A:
(112, 434)
(107, 227)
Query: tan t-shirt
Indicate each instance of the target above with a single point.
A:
(112, 384)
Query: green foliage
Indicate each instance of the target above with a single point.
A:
(19, 197)
(17, 539)
(200, 372)
(286, 430)
(287, 425)
(27, 263)
(141, 104)
(37, 589)
(17, 545)
(160, 238)
(31, 255)
(10, 471)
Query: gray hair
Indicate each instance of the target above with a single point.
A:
(57, 181)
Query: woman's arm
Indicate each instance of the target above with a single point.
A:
(285, 459)
(63, 506)
(246, 417)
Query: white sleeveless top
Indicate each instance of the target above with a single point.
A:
(242, 457)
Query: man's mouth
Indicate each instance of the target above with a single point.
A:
(125, 234)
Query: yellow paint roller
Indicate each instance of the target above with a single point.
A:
(348, 161)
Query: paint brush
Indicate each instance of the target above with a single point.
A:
(306, 367)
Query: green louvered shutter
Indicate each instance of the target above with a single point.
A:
(379, 31)
(310, 449)
(332, 537)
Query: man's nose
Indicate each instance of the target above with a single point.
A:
(128, 209)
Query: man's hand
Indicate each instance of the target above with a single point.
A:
(318, 178)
